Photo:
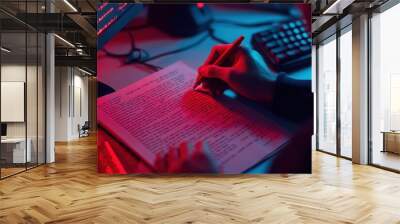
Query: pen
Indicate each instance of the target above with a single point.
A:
(228, 53)
(223, 57)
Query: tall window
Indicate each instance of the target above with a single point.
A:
(385, 88)
(346, 92)
(327, 96)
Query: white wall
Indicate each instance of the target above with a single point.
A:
(70, 84)
(16, 73)
(62, 81)
(33, 127)
(81, 103)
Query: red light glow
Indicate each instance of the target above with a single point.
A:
(200, 5)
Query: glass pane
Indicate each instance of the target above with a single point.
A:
(385, 84)
(314, 84)
(32, 87)
(23, 87)
(41, 98)
(31, 100)
(79, 101)
(346, 94)
(13, 86)
(327, 96)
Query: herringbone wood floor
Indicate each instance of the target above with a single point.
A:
(70, 191)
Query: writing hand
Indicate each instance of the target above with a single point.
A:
(241, 73)
(187, 158)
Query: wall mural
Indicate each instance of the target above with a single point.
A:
(204, 88)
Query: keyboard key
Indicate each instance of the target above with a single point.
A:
(303, 42)
(296, 31)
(271, 44)
(289, 32)
(292, 53)
(305, 48)
(286, 40)
(280, 58)
(292, 25)
(305, 35)
(299, 37)
(278, 50)
(299, 23)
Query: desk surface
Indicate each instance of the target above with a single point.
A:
(391, 132)
(13, 140)
(115, 73)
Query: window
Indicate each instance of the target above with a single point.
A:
(335, 137)
(346, 92)
(327, 96)
(385, 89)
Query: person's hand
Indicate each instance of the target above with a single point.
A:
(110, 159)
(187, 158)
(241, 73)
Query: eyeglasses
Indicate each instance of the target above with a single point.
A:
(123, 46)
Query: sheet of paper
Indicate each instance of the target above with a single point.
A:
(162, 110)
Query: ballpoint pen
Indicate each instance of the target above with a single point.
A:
(220, 61)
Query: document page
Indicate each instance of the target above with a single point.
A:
(162, 110)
